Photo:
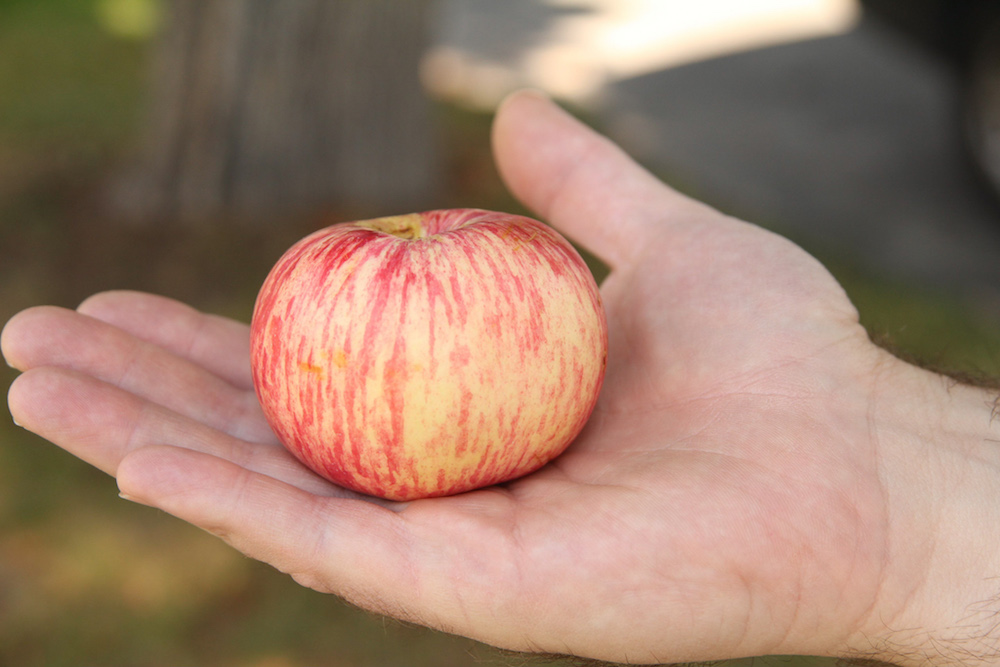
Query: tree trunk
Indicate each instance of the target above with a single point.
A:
(263, 107)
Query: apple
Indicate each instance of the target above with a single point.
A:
(428, 354)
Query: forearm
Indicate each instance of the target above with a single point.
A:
(938, 445)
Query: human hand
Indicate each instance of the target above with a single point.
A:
(750, 482)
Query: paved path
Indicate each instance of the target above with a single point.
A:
(846, 143)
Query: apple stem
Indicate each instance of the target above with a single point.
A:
(402, 226)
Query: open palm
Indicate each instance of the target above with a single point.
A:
(724, 499)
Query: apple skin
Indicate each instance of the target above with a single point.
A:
(428, 354)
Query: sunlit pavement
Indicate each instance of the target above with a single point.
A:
(800, 114)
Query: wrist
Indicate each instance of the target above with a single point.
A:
(938, 446)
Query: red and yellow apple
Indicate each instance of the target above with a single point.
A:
(428, 354)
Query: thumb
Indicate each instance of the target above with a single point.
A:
(581, 182)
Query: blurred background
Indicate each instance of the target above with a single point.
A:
(179, 147)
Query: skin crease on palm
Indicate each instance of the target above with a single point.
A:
(757, 478)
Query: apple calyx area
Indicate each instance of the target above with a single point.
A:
(405, 369)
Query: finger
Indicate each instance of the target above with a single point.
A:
(50, 336)
(346, 546)
(448, 566)
(416, 570)
(219, 344)
(100, 424)
(581, 182)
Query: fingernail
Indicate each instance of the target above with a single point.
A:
(132, 499)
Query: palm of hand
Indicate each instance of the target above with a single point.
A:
(704, 512)
(698, 498)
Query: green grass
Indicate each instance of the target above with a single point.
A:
(935, 328)
(86, 578)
